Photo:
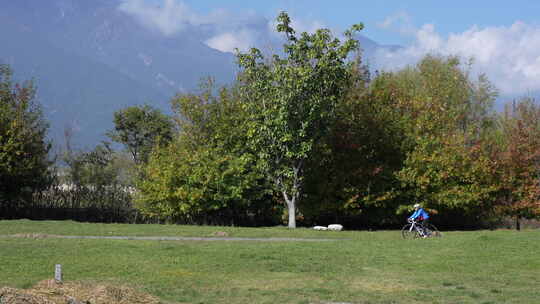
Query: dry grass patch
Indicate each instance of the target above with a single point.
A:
(279, 281)
(50, 292)
(381, 286)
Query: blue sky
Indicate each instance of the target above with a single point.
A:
(447, 16)
(502, 37)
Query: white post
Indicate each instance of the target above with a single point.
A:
(58, 273)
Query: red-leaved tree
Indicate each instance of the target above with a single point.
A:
(518, 161)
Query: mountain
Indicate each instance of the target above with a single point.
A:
(89, 59)
(71, 87)
(98, 29)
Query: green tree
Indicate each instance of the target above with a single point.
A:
(352, 176)
(446, 118)
(206, 173)
(451, 175)
(96, 168)
(24, 163)
(139, 129)
(291, 102)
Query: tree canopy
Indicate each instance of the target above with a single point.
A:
(24, 163)
(206, 173)
(139, 129)
(291, 101)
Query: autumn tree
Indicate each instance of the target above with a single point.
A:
(445, 116)
(24, 163)
(291, 102)
(518, 160)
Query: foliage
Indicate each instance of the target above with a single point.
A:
(518, 159)
(206, 171)
(24, 163)
(352, 173)
(437, 97)
(99, 167)
(139, 129)
(291, 102)
(446, 117)
(448, 175)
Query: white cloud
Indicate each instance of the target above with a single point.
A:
(225, 30)
(400, 22)
(510, 56)
(173, 16)
(229, 41)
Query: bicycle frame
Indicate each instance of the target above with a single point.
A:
(419, 229)
(414, 225)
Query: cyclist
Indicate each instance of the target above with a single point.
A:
(420, 216)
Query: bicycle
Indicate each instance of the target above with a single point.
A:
(415, 230)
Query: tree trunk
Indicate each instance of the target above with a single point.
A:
(295, 193)
(292, 215)
(518, 225)
(291, 207)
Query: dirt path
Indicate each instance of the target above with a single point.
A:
(167, 238)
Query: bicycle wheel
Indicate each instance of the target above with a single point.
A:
(407, 233)
(432, 231)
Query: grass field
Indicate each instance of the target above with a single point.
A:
(358, 267)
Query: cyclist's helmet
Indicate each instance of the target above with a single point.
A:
(416, 205)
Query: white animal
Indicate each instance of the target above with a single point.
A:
(335, 227)
(320, 228)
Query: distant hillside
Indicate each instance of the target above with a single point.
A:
(88, 59)
(75, 91)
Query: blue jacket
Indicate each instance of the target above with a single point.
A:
(420, 213)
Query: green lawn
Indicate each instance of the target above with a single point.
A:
(358, 267)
